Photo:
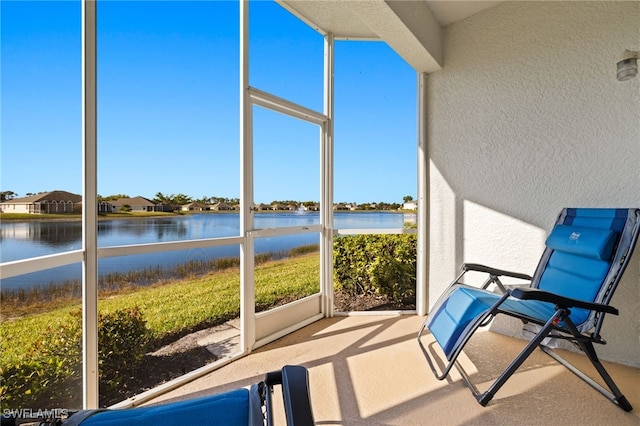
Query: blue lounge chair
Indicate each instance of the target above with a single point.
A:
(567, 298)
(240, 407)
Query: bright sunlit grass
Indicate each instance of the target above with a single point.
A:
(182, 306)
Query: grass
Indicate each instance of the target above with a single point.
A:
(179, 307)
(45, 297)
(28, 216)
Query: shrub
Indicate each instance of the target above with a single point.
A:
(380, 264)
(123, 338)
(55, 359)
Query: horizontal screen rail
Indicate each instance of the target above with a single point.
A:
(40, 263)
(167, 246)
(285, 230)
(266, 100)
(34, 264)
(374, 231)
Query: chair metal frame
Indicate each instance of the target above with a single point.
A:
(559, 325)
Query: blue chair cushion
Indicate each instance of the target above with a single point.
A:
(226, 409)
(587, 242)
(462, 306)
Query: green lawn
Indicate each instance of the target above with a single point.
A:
(179, 307)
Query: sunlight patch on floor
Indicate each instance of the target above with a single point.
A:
(382, 381)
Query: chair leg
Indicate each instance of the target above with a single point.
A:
(615, 395)
(439, 376)
(485, 397)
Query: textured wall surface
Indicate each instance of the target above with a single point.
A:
(527, 117)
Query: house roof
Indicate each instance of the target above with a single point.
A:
(135, 201)
(57, 196)
(194, 204)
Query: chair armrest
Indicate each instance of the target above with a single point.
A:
(494, 271)
(295, 393)
(564, 302)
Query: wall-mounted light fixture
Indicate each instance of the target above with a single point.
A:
(628, 66)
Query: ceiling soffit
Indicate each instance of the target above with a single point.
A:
(408, 27)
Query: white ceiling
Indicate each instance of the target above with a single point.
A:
(413, 28)
(345, 18)
(450, 11)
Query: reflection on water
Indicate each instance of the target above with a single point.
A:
(159, 229)
(53, 233)
(23, 240)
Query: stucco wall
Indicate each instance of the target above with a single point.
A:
(527, 117)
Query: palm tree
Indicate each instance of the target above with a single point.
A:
(7, 195)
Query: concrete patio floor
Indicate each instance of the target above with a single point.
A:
(370, 370)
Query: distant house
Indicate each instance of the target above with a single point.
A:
(164, 208)
(221, 207)
(105, 207)
(54, 202)
(195, 206)
(410, 205)
(341, 207)
(262, 207)
(136, 204)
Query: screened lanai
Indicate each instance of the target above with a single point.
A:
(104, 109)
(518, 114)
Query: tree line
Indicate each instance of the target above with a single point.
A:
(182, 199)
(176, 199)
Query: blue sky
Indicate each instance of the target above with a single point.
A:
(168, 110)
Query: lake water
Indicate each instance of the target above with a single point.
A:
(22, 240)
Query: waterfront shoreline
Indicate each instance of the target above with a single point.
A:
(51, 296)
(25, 217)
(36, 238)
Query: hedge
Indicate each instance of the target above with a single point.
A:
(380, 264)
